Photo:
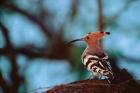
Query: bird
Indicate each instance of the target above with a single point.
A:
(94, 57)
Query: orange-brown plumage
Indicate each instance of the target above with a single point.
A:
(93, 39)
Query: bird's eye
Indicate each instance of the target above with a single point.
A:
(87, 38)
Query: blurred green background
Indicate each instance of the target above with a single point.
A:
(33, 34)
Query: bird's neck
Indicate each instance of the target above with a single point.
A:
(95, 46)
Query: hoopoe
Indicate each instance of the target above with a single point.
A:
(94, 57)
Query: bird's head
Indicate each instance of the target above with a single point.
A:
(92, 38)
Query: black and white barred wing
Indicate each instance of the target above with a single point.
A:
(89, 61)
(98, 65)
(106, 64)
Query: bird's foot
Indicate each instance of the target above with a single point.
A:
(108, 81)
(91, 77)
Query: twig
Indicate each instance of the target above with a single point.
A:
(29, 53)
(12, 57)
(100, 16)
(31, 17)
(5, 33)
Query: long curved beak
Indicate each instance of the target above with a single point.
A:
(75, 40)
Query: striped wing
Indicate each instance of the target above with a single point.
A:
(97, 64)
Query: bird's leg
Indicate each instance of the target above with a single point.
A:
(108, 81)
(91, 76)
